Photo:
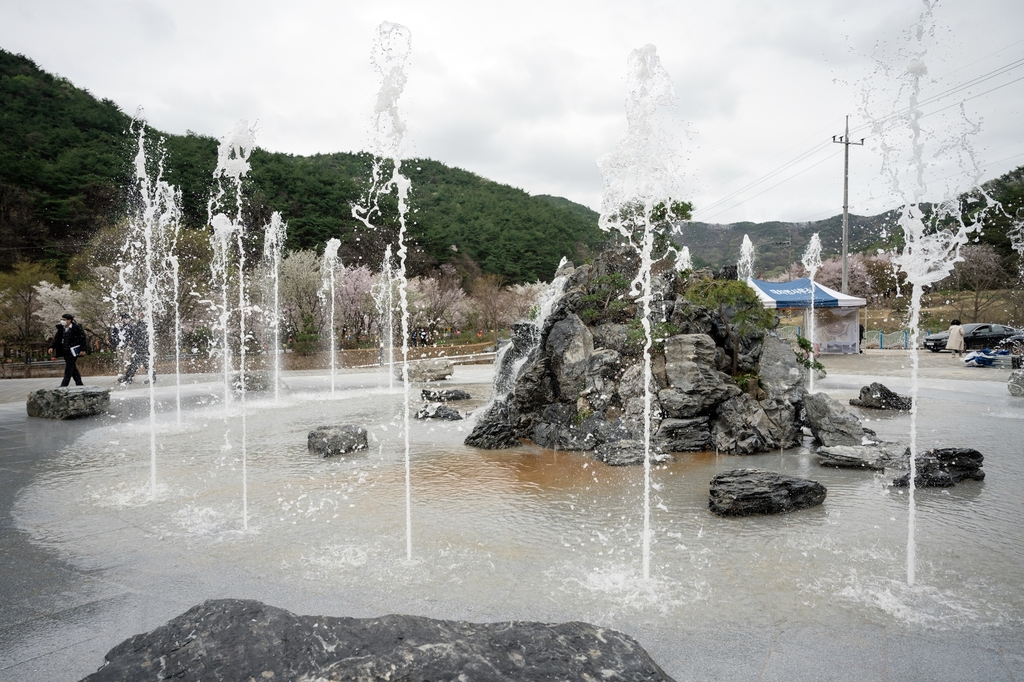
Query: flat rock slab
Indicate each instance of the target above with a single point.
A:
(745, 492)
(232, 639)
(626, 453)
(944, 468)
(70, 402)
(444, 395)
(428, 370)
(876, 457)
(438, 411)
(879, 397)
(328, 441)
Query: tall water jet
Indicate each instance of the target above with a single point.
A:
(274, 234)
(328, 271)
(745, 265)
(152, 229)
(390, 56)
(232, 166)
(383, 293)
(933, 232)
(640, 196)
(812, 261)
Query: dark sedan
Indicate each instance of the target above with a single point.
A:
(1014, 343)
(976, 335)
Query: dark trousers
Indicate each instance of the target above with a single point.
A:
(71, 371)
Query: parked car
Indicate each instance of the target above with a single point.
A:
(1015, 343)
(976, 335)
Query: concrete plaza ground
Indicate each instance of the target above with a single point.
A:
(57, 620)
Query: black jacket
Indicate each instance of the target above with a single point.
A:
(65, 339)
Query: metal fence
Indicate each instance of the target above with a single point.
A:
(876, 338)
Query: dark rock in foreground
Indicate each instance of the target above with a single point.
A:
(744, 492)
(438, 411)
(328, 441)
(233, 639)
(877, 396)
(944, 468)
(444, 395)
(876, 457)
(69, 402)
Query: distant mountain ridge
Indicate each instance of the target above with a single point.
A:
(777, 244)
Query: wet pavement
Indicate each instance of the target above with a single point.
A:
(58, 618)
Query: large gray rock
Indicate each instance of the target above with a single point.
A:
(435, 369)
(602, 370)
(610, 335)
(781, 375)
(743, 492)
(70, 402)
(329, 441)
(569, 346)
(684, 435)
(875, 457)
(233, 639)
(879, 397)
(627, 452)
(944, 467)
(742, 427)
(831, 423)
(560, 430)
(695, 387)
(1015, 384)
(495, 428)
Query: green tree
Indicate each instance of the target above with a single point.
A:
(738, 307)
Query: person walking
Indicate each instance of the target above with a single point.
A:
(138, 342)
(955, 342)
(69, 343)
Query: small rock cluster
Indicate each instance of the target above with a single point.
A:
(233, 639)
(68, 402)
(1015, 384)
(944, 468)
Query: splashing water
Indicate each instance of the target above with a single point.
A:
(328, 273)
(745, 265)
(684, 261)
(933, 232)
(390, 56)
(232, 166)
(383, 293)
(812, 261)
(641, 188)
(144, 268)
(274, 234)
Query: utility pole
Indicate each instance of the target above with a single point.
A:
(845, 141)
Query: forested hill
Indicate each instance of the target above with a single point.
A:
(65, 166)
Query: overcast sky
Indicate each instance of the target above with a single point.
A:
(531, 94)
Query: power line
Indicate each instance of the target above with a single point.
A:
(1001, 70)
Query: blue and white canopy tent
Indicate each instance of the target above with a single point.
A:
(837, 315)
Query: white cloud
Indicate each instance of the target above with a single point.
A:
(532, 93)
